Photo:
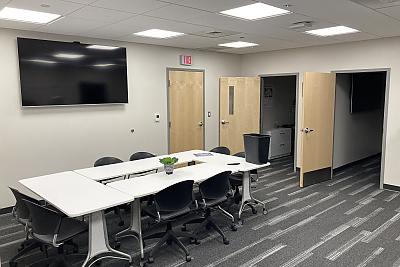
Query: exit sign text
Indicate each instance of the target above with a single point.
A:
(185, 60)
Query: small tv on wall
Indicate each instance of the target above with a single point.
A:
(367, 91)
(61, 73)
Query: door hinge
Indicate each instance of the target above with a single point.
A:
(302, 89)
(169, 83)
(169, 124)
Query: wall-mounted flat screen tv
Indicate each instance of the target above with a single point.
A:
(61, 73)
(367, 91)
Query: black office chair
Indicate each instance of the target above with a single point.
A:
(221, 150)
(236, 180)
(50, 227)
(170, 204)
(213, 193)
(21, 213)
(108, 161)
(142, 155)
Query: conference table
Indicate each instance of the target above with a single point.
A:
(80, 192)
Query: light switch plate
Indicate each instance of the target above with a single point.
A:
(157, 117)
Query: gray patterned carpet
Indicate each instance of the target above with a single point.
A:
(346, 221)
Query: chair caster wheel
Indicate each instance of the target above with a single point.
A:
(194, 241)
(121, 223)
(150, 260)
(265, 211)
(117, 245)
(142, 263)
(226, 241)
(240, 221)
(188, 258)
(233, 228)
(13, 264)
(184, 229)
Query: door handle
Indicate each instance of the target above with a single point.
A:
(201, 124)
(224, 122)
(307, 130)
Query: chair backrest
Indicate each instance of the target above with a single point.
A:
(44, 221)
(141, 155)
(221, 150)
(21, 211)
(175, 197)
(240, 154)
(215, 187)
(107, 161)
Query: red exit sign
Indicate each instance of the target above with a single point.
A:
(185, 60)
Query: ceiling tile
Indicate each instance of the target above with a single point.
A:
(186, 41)
(55, 6)
(214, 5)
(133, 6)
(174, 12)
(18, 25)
(101, 14)
(377, 3)
(85, 2)
(71, 26)
(391, 11)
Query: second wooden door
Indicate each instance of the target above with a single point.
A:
(239, 110)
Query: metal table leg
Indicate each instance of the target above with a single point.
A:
(246, 195)
(99, 247)
(135, 227)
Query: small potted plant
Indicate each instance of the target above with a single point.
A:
(168, 163)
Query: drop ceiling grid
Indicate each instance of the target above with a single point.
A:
(118, 19)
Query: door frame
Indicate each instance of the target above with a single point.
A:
(296, 127)
(204, 100)
(385, 113)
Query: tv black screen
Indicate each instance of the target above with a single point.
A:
(62, 73)
(368, 91)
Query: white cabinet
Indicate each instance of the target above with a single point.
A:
(280, 143)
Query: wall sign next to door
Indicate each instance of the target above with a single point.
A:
(185, 60)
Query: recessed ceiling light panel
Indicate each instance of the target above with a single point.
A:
(332, 31)
(160, 34)
(102, 47)
(24, 15)
(255, 11)
(69, 56)
(238, 44)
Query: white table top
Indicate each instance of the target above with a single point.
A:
(153, 183)
(74, 194)
(120, 169)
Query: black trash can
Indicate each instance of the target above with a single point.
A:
(256, 148)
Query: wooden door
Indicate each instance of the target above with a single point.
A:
(239, 110)
(186, 110)
(317, 129)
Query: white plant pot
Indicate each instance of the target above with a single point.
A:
(169, 169)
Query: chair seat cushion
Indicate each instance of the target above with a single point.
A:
(69, 228)
(166, 215)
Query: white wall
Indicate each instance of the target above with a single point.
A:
(357, 135)
(37, 141)
(374, 54)
(278, 109)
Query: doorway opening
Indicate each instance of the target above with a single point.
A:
(279, 114)
(359, 128)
